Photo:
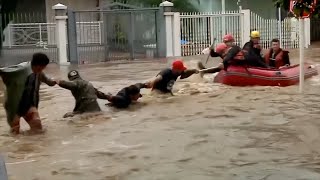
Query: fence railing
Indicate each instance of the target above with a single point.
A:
(269, 29)
(44, 34)
(200, 30)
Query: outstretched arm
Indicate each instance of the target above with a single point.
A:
(143, 85)
(102, 95)
(187, 73)
(67, 85)
(48, 81)
(155, 81)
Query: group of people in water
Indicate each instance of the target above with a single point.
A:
(86, 95)
(249, 55)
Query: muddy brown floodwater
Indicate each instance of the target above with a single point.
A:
(207, 131)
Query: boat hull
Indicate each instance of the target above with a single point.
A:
(252, 76)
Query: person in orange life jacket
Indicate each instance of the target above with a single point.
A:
(231, 55)
(165, 80)
(252, 51)
(276, 57)
(228, 40)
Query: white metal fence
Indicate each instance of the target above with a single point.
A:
(199, 29)
(44, 34)
(269, 29)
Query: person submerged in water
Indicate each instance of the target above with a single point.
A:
(165, 80)
(28, 106)
(83, 92)
(126, 96)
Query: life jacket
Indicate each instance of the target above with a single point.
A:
(278, 58)
(238, 57)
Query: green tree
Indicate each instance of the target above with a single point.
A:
(7, 6)
(285, 4)
(179, 5)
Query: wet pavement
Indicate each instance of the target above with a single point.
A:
(206, 131)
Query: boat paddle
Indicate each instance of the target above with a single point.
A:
(211, 47)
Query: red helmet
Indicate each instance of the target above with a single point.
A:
(221, 48)
(227, 38)
(178, 65)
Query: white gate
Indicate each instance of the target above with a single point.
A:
(199, 30)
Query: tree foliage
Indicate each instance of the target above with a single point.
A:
(179, 5)
(285, 4)
(7, 6)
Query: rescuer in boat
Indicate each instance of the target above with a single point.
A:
(252, 51)
(127, 95)
(165, 80)
(29, 101)
(230, 53)
(84, 93)
(277, 57)
(228, 40)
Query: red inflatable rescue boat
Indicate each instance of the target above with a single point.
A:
(253, 76)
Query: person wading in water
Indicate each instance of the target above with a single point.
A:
(29, 102)
(83, 92)
(127, 96)
(165, 80)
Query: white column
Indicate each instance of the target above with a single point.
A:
(246, 26)
(176, 34)
(280, 26)
(307, 27)
(223, 19)
(302, 45)
(172, 28)
(61, 34)
(169, 33)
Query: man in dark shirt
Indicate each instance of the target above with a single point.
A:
(83, 92)
(126, 96)
(252, 51)
(28, 106)
(165, 80)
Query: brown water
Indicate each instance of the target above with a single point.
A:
(207, 131)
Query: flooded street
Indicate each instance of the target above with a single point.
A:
(206, 131)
